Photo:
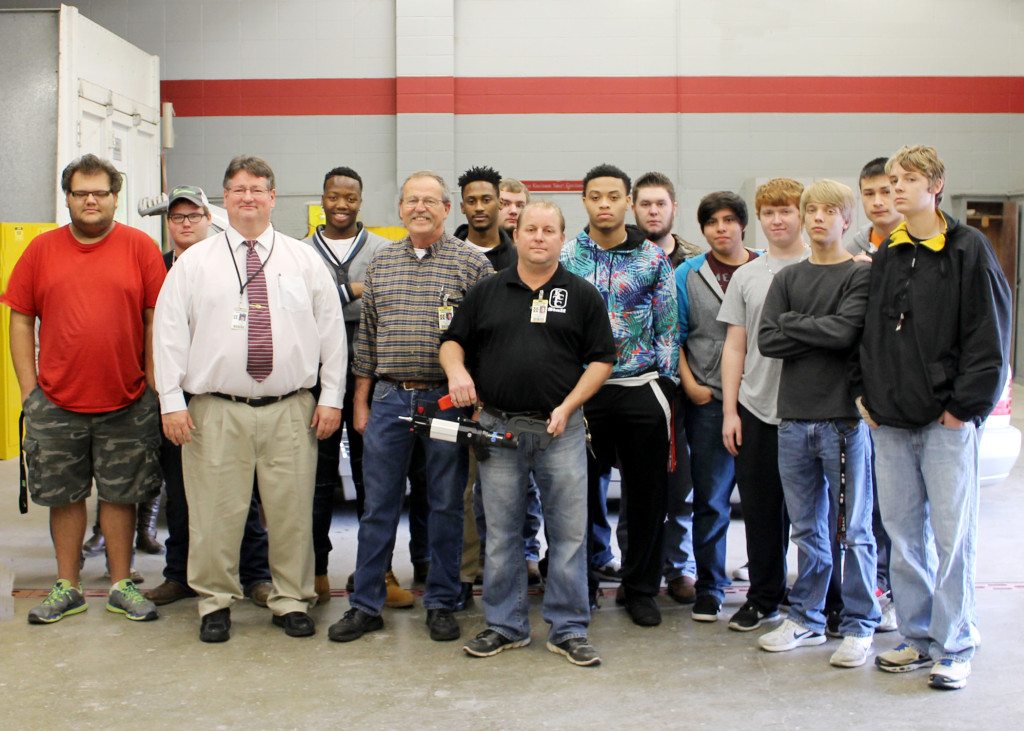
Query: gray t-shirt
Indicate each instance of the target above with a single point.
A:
(759, 387)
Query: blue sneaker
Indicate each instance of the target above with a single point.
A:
(63, 599)
(126, 599)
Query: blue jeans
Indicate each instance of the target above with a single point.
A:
(810, 471)
(714, 475)
(599, 529)
(561, 475)
(531, 524)
(928, 483)
(387, 448)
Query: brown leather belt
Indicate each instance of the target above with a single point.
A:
(415, 385)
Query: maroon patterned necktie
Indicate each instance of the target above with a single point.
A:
(261, 344)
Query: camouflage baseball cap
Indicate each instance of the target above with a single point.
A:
(190, 193)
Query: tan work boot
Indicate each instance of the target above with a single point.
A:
(398, 598)
(322, 586)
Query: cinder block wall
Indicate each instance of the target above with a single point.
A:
(713, 95)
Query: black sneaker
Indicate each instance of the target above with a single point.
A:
(577, 650)
(749, 617)
(443, 625)
(643, 610)
(611, 572)
(705, 608)
(465, 600)
(832, 623)
(354, 624)
(489, 643)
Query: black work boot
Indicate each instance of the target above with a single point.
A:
(145, 539)
(96, 543)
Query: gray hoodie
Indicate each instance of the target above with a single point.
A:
(860, 242)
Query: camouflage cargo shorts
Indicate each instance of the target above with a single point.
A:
(66, 450)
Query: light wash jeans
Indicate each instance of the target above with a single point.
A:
(560, 472)
(928, 483)
(809, 467)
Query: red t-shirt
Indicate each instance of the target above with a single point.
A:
(723, 272)
(89, 299)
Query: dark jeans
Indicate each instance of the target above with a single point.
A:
(714, 474)
(252, 566)
(765, 521)
(419, 506)
(630, 423)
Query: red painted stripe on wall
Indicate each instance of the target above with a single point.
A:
(598, 95)
(279, 97)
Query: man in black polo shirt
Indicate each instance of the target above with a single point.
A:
(537, 340)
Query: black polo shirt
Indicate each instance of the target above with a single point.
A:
(519, 365)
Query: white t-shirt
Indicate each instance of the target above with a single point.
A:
(341, 248)
(481, 249)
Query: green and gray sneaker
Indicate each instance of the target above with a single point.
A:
(62, 600)
(125, 599)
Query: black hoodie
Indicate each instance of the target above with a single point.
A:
(501, 256)
(937, 331)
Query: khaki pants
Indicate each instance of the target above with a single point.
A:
(232, 442)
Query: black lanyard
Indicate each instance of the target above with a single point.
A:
(241, 287)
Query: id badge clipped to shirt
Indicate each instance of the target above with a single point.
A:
(445, 313)
(539, 309)
(239, 318)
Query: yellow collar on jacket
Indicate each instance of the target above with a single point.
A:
(935, 243)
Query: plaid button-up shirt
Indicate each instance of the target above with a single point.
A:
(399, 332)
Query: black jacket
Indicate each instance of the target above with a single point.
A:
(501, 256)
(950, 351)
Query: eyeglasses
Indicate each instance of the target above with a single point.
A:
(427, 202)
(97, 194)
(180, 217)
(254, 192)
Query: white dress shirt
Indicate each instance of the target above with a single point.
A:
(196, 347)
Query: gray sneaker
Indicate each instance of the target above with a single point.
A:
(127, 600)
(63, 599)
(577, 650)
(489, 643)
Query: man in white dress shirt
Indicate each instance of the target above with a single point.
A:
(243, 323)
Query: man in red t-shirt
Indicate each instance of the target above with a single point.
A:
(89, 414)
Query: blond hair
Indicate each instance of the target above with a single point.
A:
(829, 193)
(541, 203)
(921, 159)
(514, 186)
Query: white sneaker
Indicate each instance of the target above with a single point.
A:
(901, 659)
(949, 674)
(742, 573)
(852, 653)
(788, 636)
(888, 621)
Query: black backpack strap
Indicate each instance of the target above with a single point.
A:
(22, 470)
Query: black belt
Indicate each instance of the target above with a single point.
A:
(506, 415)
(260, 401)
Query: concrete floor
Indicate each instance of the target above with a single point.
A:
(97, 670)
